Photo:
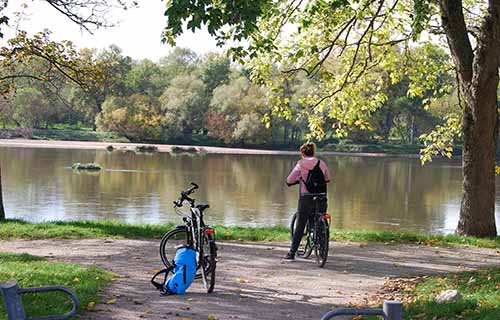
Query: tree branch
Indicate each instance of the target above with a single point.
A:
(452, 18)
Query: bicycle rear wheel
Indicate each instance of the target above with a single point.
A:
(170, 241)
(322, 241)
(305, 246)
(208, 262)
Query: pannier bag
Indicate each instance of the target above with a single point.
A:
(184, 271)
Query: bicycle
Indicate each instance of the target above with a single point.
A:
(317, 233)
(193, 233)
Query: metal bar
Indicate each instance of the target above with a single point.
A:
(392, 310)
(352, 312)
(13, 302)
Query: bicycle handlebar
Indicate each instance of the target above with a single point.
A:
(185, 195)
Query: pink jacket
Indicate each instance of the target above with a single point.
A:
(302, 168)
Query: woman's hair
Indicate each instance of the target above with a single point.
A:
(308, 149)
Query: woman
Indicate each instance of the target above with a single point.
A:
(309, 171)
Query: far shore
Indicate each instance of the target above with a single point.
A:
(95, 145)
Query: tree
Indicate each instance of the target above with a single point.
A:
(60, 56)
(146, 77)
(214, 71)
(137, 117)
(184, 103)
(362, 35)
(236, 112)
(31, 108)
(179, 61)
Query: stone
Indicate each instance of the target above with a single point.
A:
(448, 296)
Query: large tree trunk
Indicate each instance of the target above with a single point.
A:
(477, 210)
(2, 211)
(478, 76)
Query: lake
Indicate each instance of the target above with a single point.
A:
(248, 190)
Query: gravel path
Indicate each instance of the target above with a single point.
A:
(252, 281)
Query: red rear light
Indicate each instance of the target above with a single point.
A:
(326, 216)
(209, 231)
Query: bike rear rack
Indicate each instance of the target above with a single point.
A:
(391, 310)
(14, 305)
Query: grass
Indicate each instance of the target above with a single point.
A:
(18, 229)
(480, 296)
(76, 135)
(30, 271)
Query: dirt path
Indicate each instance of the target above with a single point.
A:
(252, 281)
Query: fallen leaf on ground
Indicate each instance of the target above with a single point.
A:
(90, 306)
(111, 301)
(241, 280)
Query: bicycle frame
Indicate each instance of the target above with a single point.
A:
(196, 229)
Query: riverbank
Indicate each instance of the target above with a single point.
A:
(120, 146)
(18, 229)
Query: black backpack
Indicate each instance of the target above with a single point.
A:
(316, 182)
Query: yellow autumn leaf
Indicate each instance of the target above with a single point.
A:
(111, 301)
(241, 280)
(90, 305)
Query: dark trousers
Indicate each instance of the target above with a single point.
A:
(305, 211)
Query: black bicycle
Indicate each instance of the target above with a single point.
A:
(193, 233)
(316, 234)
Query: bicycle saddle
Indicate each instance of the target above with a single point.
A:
(202, 206)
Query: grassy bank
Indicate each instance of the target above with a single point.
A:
(480, 296)
(30, 271)
(16, 229)
(76, 135)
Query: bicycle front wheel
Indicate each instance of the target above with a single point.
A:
(170, 241)
(305, 246)
(322, 240)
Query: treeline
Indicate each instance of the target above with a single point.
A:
(186, 97)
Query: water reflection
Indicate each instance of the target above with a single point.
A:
(367, 193)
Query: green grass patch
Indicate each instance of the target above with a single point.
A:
(76, 135)
(30, 271)
(18, 229)
(480, 296)
(413, 238)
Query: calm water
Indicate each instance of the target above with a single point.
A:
(368, 193)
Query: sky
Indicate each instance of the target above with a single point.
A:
(137, 34)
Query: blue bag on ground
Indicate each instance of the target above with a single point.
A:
(184, 271)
